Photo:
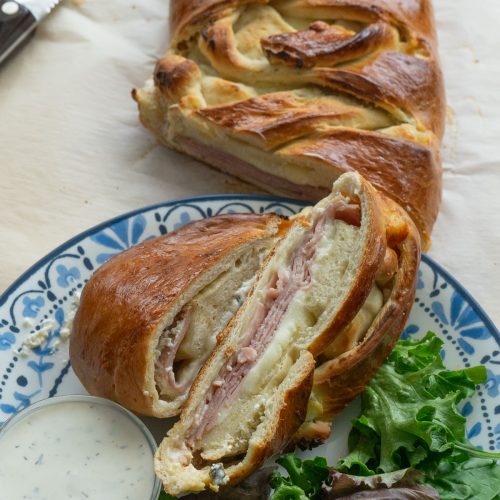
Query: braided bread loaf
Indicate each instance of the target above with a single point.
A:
(289, 94)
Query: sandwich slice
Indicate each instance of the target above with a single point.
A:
(149, 317)
(251, 396)
(345, 367)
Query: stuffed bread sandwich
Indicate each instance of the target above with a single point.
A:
(338, 283)
(149, 317)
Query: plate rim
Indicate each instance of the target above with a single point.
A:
(478, 309)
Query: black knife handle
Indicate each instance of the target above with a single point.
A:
(16, 24)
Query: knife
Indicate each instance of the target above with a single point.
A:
(18, 20)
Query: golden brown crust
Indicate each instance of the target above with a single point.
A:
(416, 15)
(404, 169)
(186, 15)
(408, 172)
(126, 300)
(372, 56)
(322, 44)
(411, 83)
(272, 120)
(174, 75)
(184, 459)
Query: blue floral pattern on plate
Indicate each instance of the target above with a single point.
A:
(45, 293)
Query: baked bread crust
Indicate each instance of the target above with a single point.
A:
(333, 86)
(123, 307)
(414, 14)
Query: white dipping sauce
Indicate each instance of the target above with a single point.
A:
(75, 450)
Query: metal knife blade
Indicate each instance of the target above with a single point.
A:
(40, 8)
(18, 20)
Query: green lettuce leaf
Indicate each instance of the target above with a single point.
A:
(473, 479)
(409, 420)
(166, 496)
(304, 481)
(409, 413)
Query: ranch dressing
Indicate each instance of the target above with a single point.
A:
(78, 448)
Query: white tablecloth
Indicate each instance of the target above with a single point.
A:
(73, 154)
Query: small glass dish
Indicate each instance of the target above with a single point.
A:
(39, 441)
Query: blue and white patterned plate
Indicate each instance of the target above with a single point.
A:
(45, 293)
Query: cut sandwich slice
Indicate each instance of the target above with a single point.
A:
(345, 367)
(251, 395)
(149, 317)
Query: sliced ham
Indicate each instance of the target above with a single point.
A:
(168, 345)
(350, 213)
(268, 316)
(244, 170)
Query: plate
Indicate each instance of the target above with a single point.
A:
(45, 295)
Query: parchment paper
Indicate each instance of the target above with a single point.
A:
(72, 152)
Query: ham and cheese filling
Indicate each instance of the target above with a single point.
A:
(187, 341)
(233, 165)
(268, 314)
(170, 341)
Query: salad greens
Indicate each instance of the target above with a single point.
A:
(402, 484)
(305, 480)
(408, 421)
(165, 496)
